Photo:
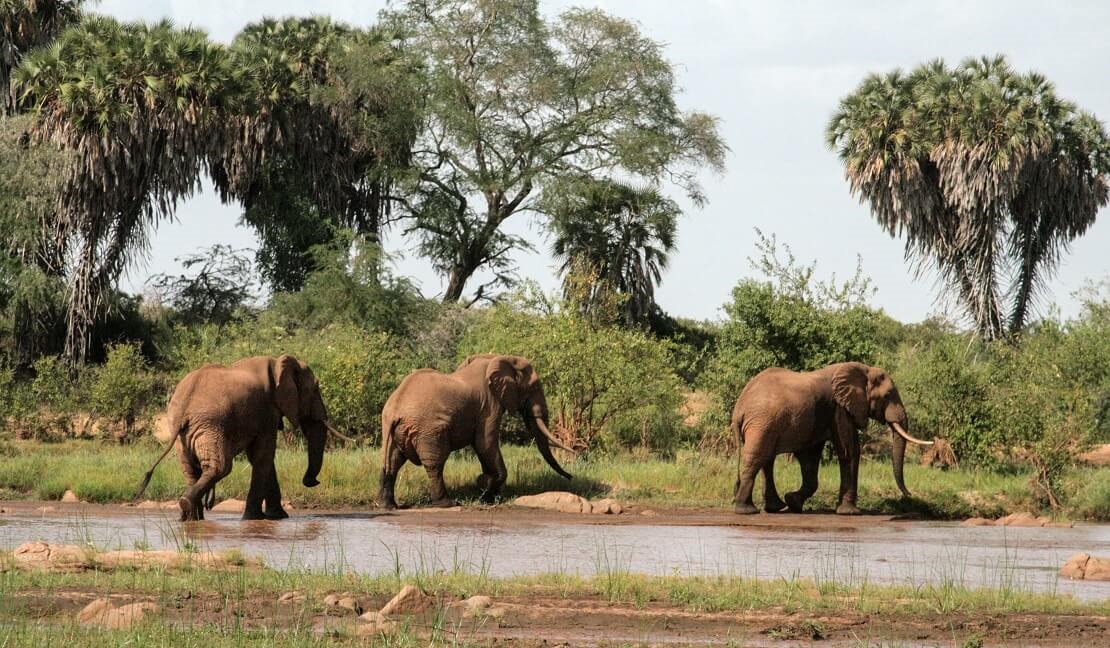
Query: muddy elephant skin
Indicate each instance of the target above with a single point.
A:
(216, 412)
(432, 414)
(782, 411)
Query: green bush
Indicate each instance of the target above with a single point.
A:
(122, 387)
(607, 387)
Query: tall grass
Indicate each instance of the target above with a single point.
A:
(101, 472)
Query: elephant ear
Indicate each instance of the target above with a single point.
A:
(849, 385)
(504, 383)
(286, 395)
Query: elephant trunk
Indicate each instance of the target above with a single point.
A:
(539, 429)
(898, 457)
(316, 436)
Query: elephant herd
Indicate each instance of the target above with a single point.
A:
(217, 412)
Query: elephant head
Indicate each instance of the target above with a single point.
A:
(514, 383)
(869, 393)
(297, 397)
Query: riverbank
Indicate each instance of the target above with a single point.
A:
(101, 472)
(244, 604)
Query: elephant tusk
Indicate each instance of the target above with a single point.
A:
(902, 433)
(335, 432)
(550, 437)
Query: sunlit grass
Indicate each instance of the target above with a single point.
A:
(102, 472)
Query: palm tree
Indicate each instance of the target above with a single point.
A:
(25, 25)
(986, 172)
(623, 232)
(138, 105)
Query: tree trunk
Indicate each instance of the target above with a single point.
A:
(456, 283)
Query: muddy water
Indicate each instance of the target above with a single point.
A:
(505, 544)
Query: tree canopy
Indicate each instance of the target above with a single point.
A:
(986, 172)
(513, 100)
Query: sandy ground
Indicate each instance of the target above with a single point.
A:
(546, 618)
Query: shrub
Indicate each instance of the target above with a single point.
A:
(122, 387)
(607, 387)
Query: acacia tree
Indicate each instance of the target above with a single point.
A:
(624, 232)
(512, 101)
(25, 25)
(137, 106)
(986, 172)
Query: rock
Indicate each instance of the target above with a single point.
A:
(101, 613)
(350, 603)
(648, 513)
(331, 600)
(94, 610)
(555, 501)
(70, 496)
(41, 554)
(1022, 519)
(410, 600)
(475, 606)
(293, 596)
(607, 506)
(977, 521)
(230, 506)
(374, 623)
(1083, 566)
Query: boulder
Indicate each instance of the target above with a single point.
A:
(606, 506)
(42, 554)
(555, 501)
(230, 506)
(1083, 566)
(475, 606)
(977, 521)
(101, 613)
(1022, 519)
(410, 600)
(70, 497)
(350, 603)
(374, 623)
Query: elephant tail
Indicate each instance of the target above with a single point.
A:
(736, 426)
(177, 428)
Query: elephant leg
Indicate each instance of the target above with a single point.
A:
(394, 459)
(494, 471)
(746, 484)
(273, 509)
(437, 489)
(809, 462)
(261, 456)
(846, 443)
(771, 501)
(212, 471)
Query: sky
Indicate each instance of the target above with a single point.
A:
(772, 72)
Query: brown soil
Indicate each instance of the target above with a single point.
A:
(545, 619)
(1100, 456)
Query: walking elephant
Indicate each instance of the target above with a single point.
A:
(216, 412)
(430, 414)
(783, 411)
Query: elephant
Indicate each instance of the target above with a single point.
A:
(216, 412)
(782, 411)
(430, 414)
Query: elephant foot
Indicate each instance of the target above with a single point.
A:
(446, 502)
(488, 498)
(794, 502)
(277, 514)
(188, 510)
(484, 481)
(774, 506)
(744, 508)
(847, 508)
(254, 515)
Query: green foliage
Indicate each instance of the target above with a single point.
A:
(792, 321)
(987, 173)
(606, 387)
(514, 101)
(356, 289)
(122, 387)
(220, 283)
